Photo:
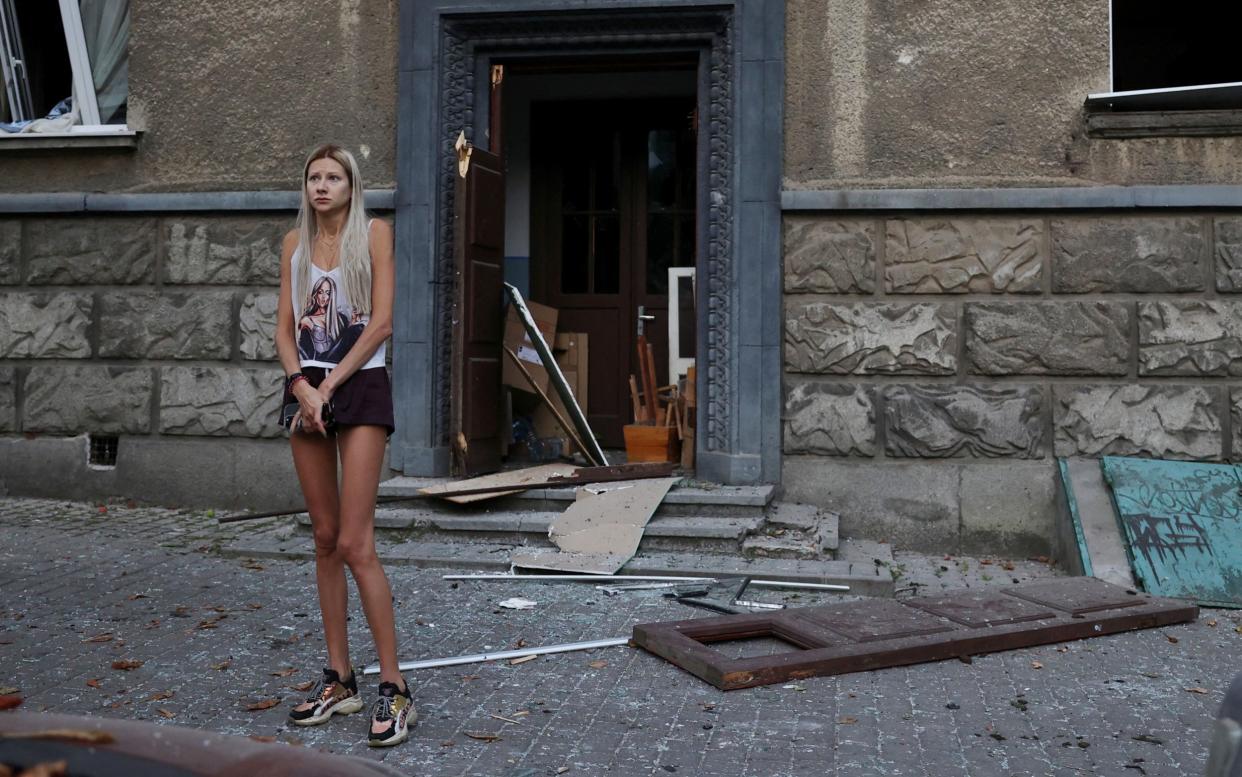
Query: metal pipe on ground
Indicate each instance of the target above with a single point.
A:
(476, 658)
(488, 577)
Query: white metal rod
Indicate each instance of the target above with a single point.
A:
(788, 584)
(503, 654)
(573, 578)
(663, 578)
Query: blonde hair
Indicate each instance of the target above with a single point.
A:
(355, 246)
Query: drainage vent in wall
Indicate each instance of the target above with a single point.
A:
(103, 450)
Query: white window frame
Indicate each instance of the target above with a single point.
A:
(83, 87)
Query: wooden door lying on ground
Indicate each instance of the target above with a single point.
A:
(878, 633)
(478, 331)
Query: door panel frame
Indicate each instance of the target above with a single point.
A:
(446, 50)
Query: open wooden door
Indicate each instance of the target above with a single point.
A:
(478, 324)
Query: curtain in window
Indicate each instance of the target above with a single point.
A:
(105, 25)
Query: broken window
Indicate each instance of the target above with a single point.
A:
(1173, 57)
(65, 65)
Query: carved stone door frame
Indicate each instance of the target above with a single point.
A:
(446, 51)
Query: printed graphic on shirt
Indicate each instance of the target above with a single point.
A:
(328, 327)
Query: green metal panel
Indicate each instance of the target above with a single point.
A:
(1183, 526)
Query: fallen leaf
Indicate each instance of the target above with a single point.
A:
(520, 713)
(987, 562)
(225, 664)
(1212, 623)
(218, 608)
(522, 660)
(1151, 675)
(6, 691)
(1008, 566)
(468, 677)
(448, 743)
(1036, 665)
(599, 664)
(152, 624)
(259, 738)
(138, 596)
(105, 637)
(306, 686)
(284, 672)
(255, 606)
(65, 735)
(254, 565)
(847, 720)
(1062, 649)
(482, 736)
(1197, 690)
(266, 704)
(181, 612)
(93, 682)
(126, 665)
(1171, 638)
(1238, 629)
(161, 696)
(166, 713)
(10, 701)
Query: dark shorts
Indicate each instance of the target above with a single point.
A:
(363, 400)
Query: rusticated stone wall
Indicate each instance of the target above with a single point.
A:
(1013, 336)
(137, 325)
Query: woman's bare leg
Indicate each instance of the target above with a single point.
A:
(362, 455)
(314, 457)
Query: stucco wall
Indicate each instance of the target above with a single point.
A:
(232, 94)
(956, 93)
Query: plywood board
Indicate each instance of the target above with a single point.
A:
(598, 534)
(1182, 521)
(870, 634)
(521, 479)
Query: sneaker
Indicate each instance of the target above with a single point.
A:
(330, 696)
(392, 716)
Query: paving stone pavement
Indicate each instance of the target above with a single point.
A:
(85, 585)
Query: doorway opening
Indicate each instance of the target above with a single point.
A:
(603, 185)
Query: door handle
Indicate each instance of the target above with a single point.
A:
(643, 318)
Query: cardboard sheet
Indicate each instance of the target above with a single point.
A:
(599, 532)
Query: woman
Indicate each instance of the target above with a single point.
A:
(337, 267)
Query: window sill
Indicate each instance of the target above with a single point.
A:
(1167, 124)
(121, 137)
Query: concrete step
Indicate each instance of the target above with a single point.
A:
(718, 534)
(688, 498)
(864, 579)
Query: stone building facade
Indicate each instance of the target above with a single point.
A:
(959, 272)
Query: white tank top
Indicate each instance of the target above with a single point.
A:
(325, 326)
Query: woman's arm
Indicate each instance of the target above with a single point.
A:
(286, 345)
(377, 330)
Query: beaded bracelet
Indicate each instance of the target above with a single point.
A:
(292, 381)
